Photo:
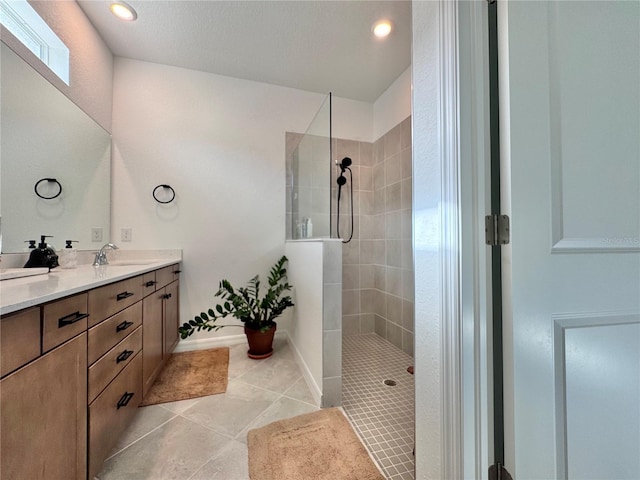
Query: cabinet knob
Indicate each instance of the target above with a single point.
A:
(166, 296)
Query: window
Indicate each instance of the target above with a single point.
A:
(26, 25)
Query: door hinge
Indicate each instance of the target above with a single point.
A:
(498, 472)
(496, 229)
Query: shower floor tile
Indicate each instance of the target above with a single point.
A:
(383, 415)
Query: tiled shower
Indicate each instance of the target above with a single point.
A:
(378, 298)
(377, 267)
(377, 275)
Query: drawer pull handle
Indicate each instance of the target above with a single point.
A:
(166, 296)
(124, 400)
(177, 271)
(73, 318)
(123, 295)
(123, 326)
(150, 283)
(124, 355)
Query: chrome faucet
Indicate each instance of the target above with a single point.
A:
(101, 256)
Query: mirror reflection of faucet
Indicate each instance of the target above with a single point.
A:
(100, 271)
(101, 256)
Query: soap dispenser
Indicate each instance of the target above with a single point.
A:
(43, 256)
(309, 228)
(68, 255)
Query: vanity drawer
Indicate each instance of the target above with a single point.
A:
(105, 335)
(110, 299)
(166, 275)
(112, 411)
(19, 339)
(63, 319)
(149, 283)
(116, 359)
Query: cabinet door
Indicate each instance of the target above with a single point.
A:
(166, 275)
(19, 339)
(171, 314)
(111, 413)
(43, 416)
(152, 341)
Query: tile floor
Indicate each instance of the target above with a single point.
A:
(205, 438)
(382, 415)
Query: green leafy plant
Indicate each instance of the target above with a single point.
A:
(245, 304)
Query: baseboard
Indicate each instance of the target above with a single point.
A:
(316, 391)
(211, 342)
(223, 341)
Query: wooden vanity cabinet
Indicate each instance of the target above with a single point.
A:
(166, 275)
(75, 370)
(63, 319)
(115, 366)
(170, 317)
(160, 324)
(112, 298)
(19, 339)
(152, 346)
(43, 416)
(105, 335)
(112, 411)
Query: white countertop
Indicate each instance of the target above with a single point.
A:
(20, 293)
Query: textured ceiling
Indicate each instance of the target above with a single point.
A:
(319, 46)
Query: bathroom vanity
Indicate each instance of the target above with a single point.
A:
(79, 349)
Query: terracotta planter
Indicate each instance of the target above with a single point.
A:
(260, 343)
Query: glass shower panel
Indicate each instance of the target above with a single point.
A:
(309, 176)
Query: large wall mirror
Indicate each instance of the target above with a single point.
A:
(44, 135)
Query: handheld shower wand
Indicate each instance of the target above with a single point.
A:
(342, 180)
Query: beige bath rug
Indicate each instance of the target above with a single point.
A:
(189, 375)
(314, 446)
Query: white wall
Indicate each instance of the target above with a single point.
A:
(352, 119)
(220, 143)
(305, 332)
(90, 60)
(393, 106)
(315, 271)
(427, 178)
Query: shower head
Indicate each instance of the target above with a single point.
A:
(345, 163)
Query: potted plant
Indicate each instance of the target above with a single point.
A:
(256, 313)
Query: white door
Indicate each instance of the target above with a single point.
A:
(570, 129)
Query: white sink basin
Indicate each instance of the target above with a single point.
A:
(131, 263)
(9, 273)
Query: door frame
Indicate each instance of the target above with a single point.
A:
(452, 288)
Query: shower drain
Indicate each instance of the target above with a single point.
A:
(390, 383)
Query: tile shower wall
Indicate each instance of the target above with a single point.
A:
(378, 263)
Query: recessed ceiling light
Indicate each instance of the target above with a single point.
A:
(382, 28)
(123, 11)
